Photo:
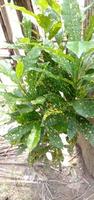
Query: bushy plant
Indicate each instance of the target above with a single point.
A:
(53, 81)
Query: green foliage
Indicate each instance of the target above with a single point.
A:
(53, 82)
(72, 20)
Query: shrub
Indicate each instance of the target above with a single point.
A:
(53, 81)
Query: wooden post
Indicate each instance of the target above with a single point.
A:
(4, 20)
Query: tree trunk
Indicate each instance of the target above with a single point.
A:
(87, 153)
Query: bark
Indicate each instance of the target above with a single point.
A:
(87, 153)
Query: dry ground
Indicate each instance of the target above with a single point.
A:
(18, 181)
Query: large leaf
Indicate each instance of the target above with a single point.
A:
(84, 107)
(80, 47)
(33, 137)
(72, 19)
(55, 140)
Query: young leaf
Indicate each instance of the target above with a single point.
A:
(33, 138)
(44, 21)
(54, 5)
(39, 100)
(19, 69)
(54, 29)
(43, 4)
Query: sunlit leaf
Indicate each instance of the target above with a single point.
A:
(84, 107)
(19, 69)
(33, 138)
(80, 47)
(54, 30)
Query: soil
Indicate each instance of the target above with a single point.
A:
(18, 181)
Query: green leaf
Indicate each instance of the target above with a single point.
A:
(38, 100)
(72, 19)
(54, 29)
(55, 6)
(43, 4)
(80, 47)
(33, 138)
(84, 107)
(31, 58)
(55, 140)
(19, 69)
(44, 21)
(15, 134)
(27, 28)
(23, 108)
(72, 128)
(87, 129)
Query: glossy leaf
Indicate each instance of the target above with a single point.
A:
(44, 21)
(54, 30)
(43, 4)
(19, 69)
(56, 7)
(84, 107)
(33, 138)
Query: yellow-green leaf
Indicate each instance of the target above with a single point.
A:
(19, 69)
(54, 30)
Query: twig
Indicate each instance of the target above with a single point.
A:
(90, 196)
(80, 197)
(58, 182)
(46, 185)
